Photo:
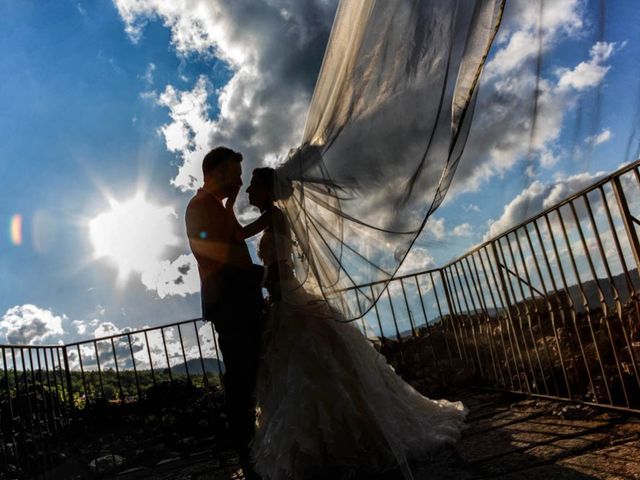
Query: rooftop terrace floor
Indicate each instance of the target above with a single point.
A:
(509, 437)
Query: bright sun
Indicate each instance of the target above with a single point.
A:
(133, 234)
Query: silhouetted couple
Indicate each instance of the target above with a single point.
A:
(329, 404)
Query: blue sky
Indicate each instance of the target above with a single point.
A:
(74, 123)
(103, 100)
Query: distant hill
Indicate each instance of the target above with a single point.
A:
(590, 291)
(211, 365)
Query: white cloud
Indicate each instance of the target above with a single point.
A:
(501, 137)
(522, 206)
(83, 326)
(207, 341)
(248, 216)
(602, 137)
(564, 187)
(537, 197)
(417, 260)
(518, 36)
(590, 73)
(30, 325)
(521, 46)
(188, 133)
(147, 76)
(179, 277)
(530, 171)
(96, 329)
(462, 230)
(274, 49)
(547, 159)
(105, 329)
(435, 228)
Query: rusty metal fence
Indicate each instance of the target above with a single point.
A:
(34, 407)
(121, 367)
(548, 308)
(44, 388)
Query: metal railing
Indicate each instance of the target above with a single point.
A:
(42, 387)
(121, 367)
(34, 401)
(548, 308)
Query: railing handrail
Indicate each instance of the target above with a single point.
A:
(21, 345)
(134, 332)
(100, 339)
(621, 171)
(399, 277)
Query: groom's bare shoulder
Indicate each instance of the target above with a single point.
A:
(203, 201)
(204, 213)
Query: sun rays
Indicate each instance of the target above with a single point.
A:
(133, 234)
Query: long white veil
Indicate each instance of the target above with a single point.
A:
(364, 186)
(386, 129)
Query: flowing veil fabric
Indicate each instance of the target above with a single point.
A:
(385, 129)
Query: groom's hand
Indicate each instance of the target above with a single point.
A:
(231, 199)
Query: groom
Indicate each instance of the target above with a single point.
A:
(230, 290)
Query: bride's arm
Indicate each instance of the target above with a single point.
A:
(255, 227)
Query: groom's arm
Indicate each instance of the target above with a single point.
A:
(206, 235)
(210, 234)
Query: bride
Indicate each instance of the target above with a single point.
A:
(329, 405)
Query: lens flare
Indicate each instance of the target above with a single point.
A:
(15, 229)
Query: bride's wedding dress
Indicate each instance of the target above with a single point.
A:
(327, 399)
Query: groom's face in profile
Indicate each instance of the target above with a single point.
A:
(231, 178)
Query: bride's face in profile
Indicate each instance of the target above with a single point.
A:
(259, 195)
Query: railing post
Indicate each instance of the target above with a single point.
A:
(510, 323)
(503, 282)
(447, 295)
(68, 377)
(627, 219)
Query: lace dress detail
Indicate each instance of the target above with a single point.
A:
(327, 398)
(271, 251)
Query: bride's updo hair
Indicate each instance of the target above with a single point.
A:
(279, 188)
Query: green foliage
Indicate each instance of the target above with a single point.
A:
(127, 384)
(93, 385)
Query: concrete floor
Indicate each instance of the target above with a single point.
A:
(508, 437)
